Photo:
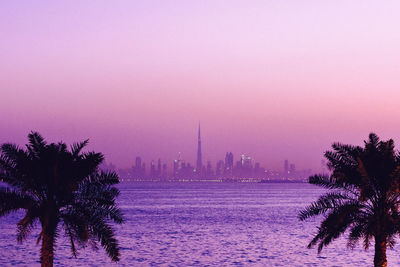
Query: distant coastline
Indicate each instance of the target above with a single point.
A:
(216, 181)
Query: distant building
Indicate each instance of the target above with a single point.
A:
(152, 170)
(158, 174)
(220, 168)
(286, 167)
(138, 163)
(246, 161)
(138, 171)
(164, 174)
(292, 168)
(199, 162)
(143, 170)
(177, 166)
(228, 172)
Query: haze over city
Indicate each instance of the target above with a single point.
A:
(273, 79)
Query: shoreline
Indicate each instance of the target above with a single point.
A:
(123, 181)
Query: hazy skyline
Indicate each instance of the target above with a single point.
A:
(273, 79)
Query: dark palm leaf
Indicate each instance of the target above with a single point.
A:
(77, 147)
(12, 200)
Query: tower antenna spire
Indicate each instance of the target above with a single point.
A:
(199, 132)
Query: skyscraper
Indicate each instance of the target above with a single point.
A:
(138, 165)
(152, 170)
(228, 171)
(138, 170)
(286, 167)
(159, 168)
(199, 163)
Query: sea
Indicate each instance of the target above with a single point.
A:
(203, 224)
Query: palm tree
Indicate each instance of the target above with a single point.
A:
(363, 196)
(62, 189)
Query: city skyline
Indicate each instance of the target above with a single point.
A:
(247, 169)
(227, 169)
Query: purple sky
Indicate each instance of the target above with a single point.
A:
(274, 79)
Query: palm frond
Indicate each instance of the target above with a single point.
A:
(92, 159)
(36, 144)
(373, 140)
(335, 224)
(105, 178)
(26, 224)
(325, 203)
(11, 151)
(76, 148)
(332, 183)
(100, 198)
(12, 200)
(104, 233)
(357, 231)
(76, 228)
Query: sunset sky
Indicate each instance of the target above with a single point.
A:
(274, 79)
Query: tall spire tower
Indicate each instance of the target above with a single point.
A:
(199, 163)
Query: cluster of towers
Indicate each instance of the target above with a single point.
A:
(223, 169)
(227, 169)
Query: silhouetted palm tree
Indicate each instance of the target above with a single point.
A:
(63, 190)
(363, 196)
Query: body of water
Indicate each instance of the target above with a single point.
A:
(203, 224)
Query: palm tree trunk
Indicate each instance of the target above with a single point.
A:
(49, 226)
(380, 252)
(47, 251)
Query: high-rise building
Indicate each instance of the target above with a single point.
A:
(257, 167)
(143, 171)
(292, 169)
(228, 164)
(164, 174)
(152, 169)
(178, 166)
(159, 168)
(138, 163)
(199, 162)
(219, 170)
(286, 168)
(246, 161)
(138, 170)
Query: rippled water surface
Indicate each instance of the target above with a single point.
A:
(203, 224)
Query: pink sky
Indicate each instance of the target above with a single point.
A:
(274, 79)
